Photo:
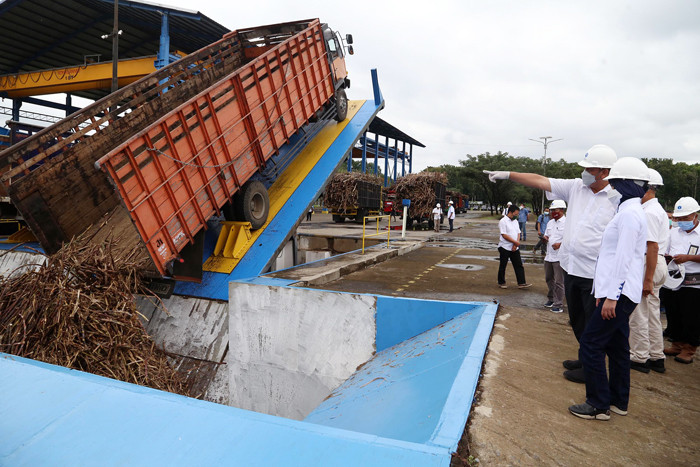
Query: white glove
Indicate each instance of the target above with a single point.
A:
(497, 175)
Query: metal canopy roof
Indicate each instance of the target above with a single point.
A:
(381, 127)
(45, 34)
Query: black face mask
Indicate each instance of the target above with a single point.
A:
(628, 189)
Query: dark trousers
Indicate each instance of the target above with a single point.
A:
(308, 216)
(541, 245)
(514, 257)
(580, 301)
(682, 314)
(452, 221)
(607, 337)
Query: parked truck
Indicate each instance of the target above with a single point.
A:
(425, 190)
(353, 196)
(152, 162)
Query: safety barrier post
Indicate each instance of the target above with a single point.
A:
(377, 233)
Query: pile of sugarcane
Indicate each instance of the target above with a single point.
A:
(341, 192)
(420, 189)
(78, 311)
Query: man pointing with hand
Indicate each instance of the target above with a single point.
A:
(589, 212)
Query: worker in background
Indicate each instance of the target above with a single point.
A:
(437, 215)
(522, 220)
(540, 227)
(509, 249)
(587, 215)
(505, 209)
(646, 332)
(451, 215)
(617, 287)
(553, 273)
(309, 213)
(682, 309)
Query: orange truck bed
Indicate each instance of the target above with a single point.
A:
(170, 150)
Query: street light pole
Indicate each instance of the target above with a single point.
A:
(545, 142)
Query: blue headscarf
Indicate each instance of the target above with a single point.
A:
(628, 189)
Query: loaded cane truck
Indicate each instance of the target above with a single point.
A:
(349, 197)
(151, 163)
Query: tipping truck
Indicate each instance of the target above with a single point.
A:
(151, 163)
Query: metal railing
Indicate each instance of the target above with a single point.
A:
(377, 232)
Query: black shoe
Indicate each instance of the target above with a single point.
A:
(643, 367)
(572, 364)
(549, 304)
(589, 412)
(657, 365)
(576, 376)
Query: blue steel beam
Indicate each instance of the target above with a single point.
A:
(159, 8)
(364, 152)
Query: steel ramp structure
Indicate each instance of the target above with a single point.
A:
(290, 196)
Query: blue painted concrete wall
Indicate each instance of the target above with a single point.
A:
(419, 391)
(399, 319)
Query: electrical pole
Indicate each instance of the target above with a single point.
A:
(544, 158)
(115, 47)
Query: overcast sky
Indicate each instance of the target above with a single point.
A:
(467, 77)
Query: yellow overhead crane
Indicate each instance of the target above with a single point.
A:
(76, 78)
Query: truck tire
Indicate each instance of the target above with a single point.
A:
(252, 204)
(359, 217)
(338, 219)
(341, 105)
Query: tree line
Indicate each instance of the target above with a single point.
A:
(680, 179)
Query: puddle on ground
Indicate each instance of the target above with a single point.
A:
(463, 267)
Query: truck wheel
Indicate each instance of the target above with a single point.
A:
(360, 215)
(341, 105)
(252, 204)
(338, 219)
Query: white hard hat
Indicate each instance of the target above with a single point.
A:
(655, 178)
(509, 203)
(558, 204)
(629, 168)
(438, 205)
(599, 156)
(676, 275)
(685, 206)
(451, 202)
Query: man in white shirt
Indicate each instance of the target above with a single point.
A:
(646, 332)
(437, 215)
(682, 304)
(509, 248)
(553, 273)
(617, 287)
(451, 215)
(505, 209)
(587, 215)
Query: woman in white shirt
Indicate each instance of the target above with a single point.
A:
(682, 304)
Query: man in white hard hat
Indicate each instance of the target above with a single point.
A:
(437, 215)
(553, 273)
(617, 287)
(682, 304)
(587, 215)
(646, 332)
(451, 215)
(505, 209)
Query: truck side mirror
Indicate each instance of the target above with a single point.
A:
(351, 51)
(348, 38)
